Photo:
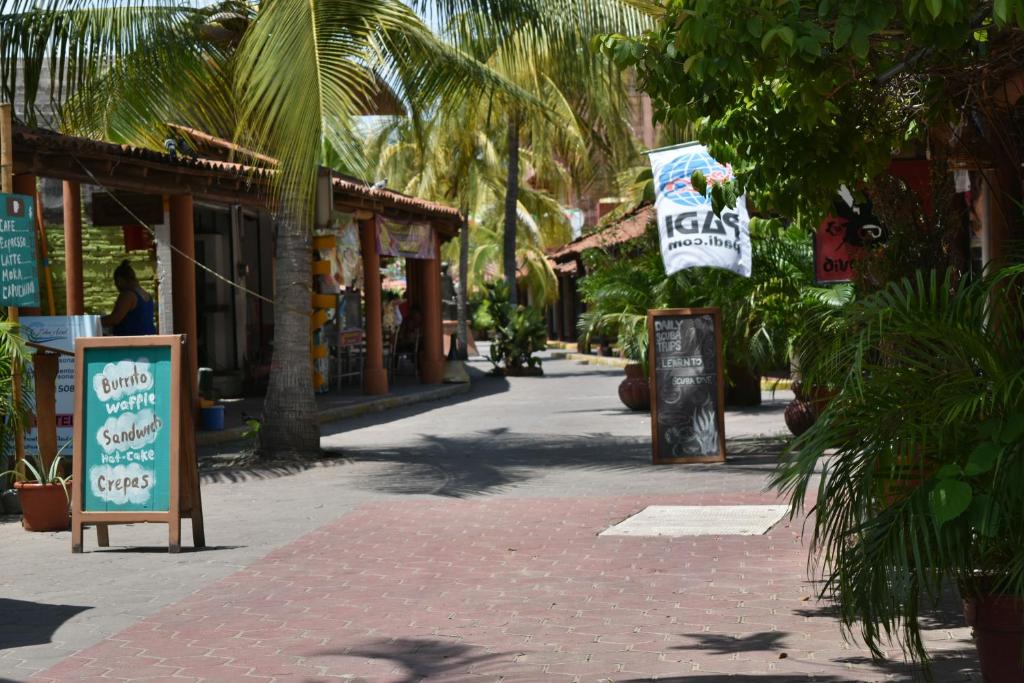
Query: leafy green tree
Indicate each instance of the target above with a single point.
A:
(802, 96)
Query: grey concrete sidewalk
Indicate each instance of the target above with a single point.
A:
(563, 435)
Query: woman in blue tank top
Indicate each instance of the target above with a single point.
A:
(133, 311)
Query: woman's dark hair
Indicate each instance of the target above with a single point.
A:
(125, 272)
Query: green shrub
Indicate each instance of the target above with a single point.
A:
(517, 332)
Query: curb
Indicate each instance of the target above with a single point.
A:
(609, 361)
(345, 412)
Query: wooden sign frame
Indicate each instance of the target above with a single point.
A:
(184, 499)
(716, 315)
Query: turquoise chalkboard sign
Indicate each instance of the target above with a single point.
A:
(135, 458)
(19, 281)
(127, 446)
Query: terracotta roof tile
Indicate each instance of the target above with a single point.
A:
(39, 138)
(629, 227)
(57, 142)
(395, 199)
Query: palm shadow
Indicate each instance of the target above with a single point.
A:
(420, 658)
(490, 461)
(24, 623)
(958, 664)
(718, 644)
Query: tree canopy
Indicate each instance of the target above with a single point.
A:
(802, 96)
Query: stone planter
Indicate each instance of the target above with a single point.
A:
(44, 507)
(635, 391)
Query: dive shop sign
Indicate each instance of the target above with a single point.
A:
(840, 239)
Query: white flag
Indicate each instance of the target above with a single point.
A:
(691, 234)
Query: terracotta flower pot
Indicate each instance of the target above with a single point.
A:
(799, 416)
(635, 391)
(998, 622)
(44, 507)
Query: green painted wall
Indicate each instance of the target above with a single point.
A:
(102, 251)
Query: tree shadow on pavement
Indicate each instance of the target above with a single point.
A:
(245, 468)
(958, 664)
(482, 386)
(712, 643)
(24, 623)
(421, 658)
(746, 678)
(488, 461)
(743, 678)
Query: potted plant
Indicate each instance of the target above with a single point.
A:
(759, 313)
(924, 488)
(819, 314)
(13, 414)
(517, 332)
(631, 330)
(43, 494)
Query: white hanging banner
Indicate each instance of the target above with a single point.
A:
(691, 234)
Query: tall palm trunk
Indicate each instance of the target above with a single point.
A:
(511, 202)
(463, 328)
(290, 428)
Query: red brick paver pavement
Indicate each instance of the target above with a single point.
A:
(497, 589)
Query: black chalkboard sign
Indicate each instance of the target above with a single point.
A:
(687, 385)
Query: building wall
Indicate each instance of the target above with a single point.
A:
(102, 251)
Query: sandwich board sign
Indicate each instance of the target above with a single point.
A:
(687, 385)
(19, 280)
(134, 448)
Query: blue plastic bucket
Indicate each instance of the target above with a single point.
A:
(212, 419)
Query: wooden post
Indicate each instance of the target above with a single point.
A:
(568, 319)
(75, 291)
(45, 365)
(432, 361)
(375, 377)
(183, 274)
(44, 257)
(7, 186)
(165, 282)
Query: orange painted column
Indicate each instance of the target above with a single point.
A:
(432, 359)
(375, 377)
(183, 280)
(26, 184)
(75, 291)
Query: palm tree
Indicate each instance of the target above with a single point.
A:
(282, 77)
(513, 162)
(458, 154)
(554, 60)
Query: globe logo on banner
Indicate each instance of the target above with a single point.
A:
(691, 234)
(674, 179)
